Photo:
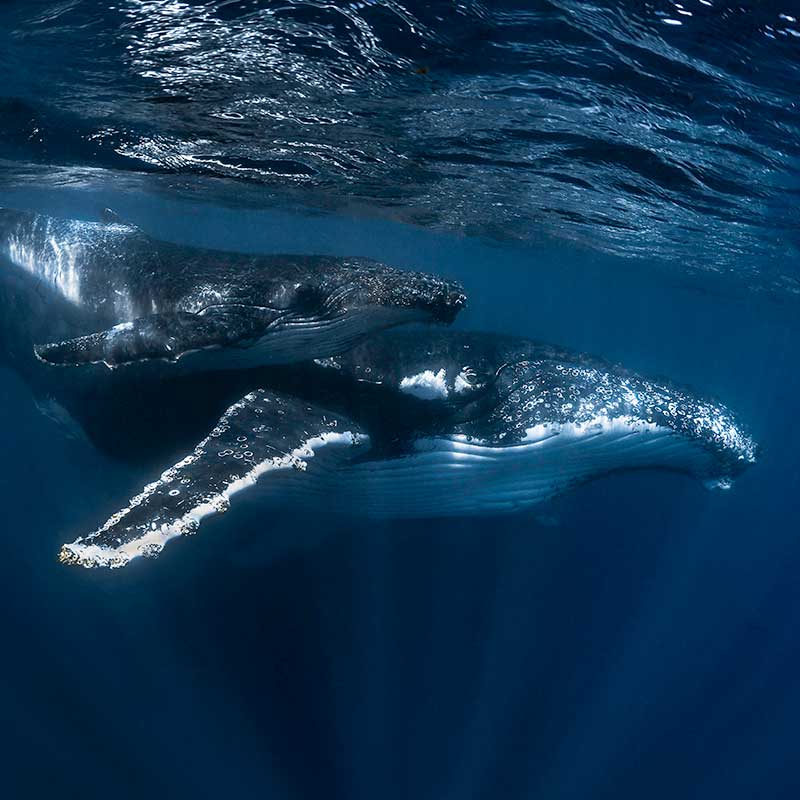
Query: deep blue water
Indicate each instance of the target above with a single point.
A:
(596, 177)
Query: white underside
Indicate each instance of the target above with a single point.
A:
(444, 476)
(453, 477)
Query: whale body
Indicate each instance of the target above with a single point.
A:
(332, 400)
(415, 423)
(129, 298)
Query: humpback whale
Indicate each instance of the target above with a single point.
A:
(132, 299)
(329, 395)
(425, 423)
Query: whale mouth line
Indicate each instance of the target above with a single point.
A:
(285, 340)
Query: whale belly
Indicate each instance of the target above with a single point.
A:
(451, 476)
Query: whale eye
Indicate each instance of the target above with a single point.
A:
(308, 300)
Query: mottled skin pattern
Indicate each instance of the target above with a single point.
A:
(510, 384)
(141, 299)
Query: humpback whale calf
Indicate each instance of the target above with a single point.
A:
(135, 299)
(423, 423)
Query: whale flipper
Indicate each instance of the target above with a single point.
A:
(262, 433)
(162, 336)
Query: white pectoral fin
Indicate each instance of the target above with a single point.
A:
(262, 433)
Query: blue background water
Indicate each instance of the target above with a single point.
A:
(636, 639)
(639, 639)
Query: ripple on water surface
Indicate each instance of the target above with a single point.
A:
(661, 130)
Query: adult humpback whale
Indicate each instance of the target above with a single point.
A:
(131, 298)
(418, 423)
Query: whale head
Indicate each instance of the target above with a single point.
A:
(594, 418)
(235, 312)
(340, 302)
(351, 285)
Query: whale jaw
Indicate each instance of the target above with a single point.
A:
(458, 475)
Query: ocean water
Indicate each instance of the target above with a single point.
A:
(616, 177)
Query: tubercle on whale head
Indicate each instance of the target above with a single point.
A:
(363, 284)
(697, 435)
(437, 298)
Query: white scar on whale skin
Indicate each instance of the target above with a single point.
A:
(430, 385)
(426, 385)
(59, 269)
(152, 542)
(462, 383)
